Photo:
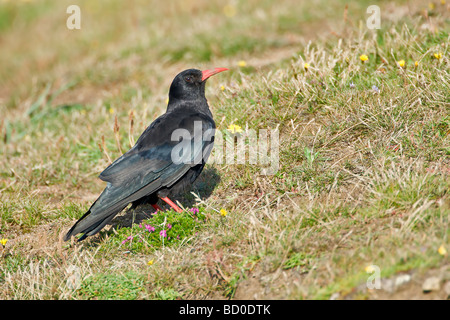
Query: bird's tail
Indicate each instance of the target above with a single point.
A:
(89, 224)
(104, 209)
(74, 230)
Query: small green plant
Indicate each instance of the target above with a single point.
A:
(126, 286)
(296, 260)
(167, 294)
(162, 229)
(310, 155)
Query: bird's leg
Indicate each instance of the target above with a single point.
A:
(156, 207)
(173, 205)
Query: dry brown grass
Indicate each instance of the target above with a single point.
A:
(375, 193)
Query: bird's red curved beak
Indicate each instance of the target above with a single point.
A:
(208, 73)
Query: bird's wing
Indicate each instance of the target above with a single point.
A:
(148, 166)
(167, 149)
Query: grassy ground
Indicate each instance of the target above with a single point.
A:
(364, 148)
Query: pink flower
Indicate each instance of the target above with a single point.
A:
(127, 239)
(169, 226)
(149, 228)
(194, 210)
(163, 233)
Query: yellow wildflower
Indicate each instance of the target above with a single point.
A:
(416, 63)
(306, 66)
(363, 57)
(229, 10)
(111, 110)
(442, 251)
(222, 88)
(234, 128)
(223, 212)
(242, 63)
(150, 262)
(438, 55)
(369, 269)
(401, 63)
(3, 241)
(431, 6)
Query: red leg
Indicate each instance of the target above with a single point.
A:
(156, 207)
(173, 205)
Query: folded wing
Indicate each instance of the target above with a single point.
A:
(148, 167)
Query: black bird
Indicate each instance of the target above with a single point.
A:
(167, 157)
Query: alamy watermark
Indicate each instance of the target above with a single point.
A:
(374, 280)
(249, 146)
(74, 20)
(374, 20)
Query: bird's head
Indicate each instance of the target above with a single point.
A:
(190, 84)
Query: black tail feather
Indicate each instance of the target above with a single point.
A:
(90, 224)
(71, 233)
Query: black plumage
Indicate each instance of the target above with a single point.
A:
(153, 168)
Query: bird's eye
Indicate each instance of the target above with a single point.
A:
(188, 79)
